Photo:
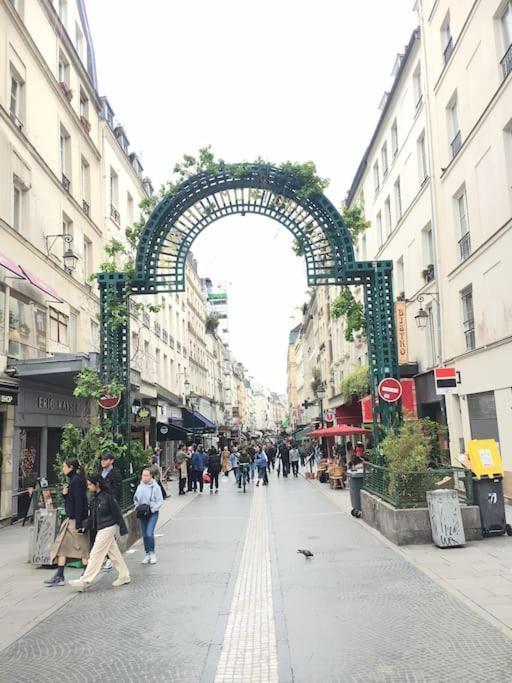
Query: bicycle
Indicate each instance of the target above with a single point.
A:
(244, 476)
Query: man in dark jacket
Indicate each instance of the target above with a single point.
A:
(284, 454)
(113, 478)
(111, 475)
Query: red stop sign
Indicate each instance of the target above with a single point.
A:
(390, 390)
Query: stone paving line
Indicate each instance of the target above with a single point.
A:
(479, 574)
(249, 649)
(24, 600)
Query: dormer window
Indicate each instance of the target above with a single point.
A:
(107, 112)
(134, 160)
(121, 138)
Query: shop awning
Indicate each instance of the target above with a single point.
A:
(195, 422)
(302, 433)
(166, 431)
(339, 430)
(47, 289)
(8, 263)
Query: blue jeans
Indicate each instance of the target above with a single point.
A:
(147, 529)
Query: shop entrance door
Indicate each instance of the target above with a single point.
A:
(29, 468)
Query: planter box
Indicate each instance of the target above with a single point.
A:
(412, 525)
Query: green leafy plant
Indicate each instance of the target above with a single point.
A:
(346, 305)
(212, 323)
(316, 381)
(357, 383)
(88, 384)
(355, 220)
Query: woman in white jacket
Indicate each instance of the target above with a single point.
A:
(148, 501)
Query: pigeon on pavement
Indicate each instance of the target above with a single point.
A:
(306, 553)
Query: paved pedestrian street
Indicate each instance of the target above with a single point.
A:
(231, 600)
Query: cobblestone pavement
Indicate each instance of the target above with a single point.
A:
(357, 611)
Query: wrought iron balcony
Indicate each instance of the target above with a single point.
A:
(165, 336)
(456, 144)
(465, 246)
(66, 183)
(506, 62)
(114, 214)
(178, 346)
(158, 329)
(86, 207)
(448, 51)
(171, 341)
(469, 334)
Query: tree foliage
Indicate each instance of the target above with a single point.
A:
(346, 305)
(357, 383)
(316, 381)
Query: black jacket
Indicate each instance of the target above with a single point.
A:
(105, 512)
(284, 453)
(114, 480)
(213, 464)
(75, 500)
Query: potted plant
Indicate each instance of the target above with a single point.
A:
(85, 123)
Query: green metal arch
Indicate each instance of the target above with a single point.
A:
(265, 190)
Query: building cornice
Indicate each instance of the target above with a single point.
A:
(481, 249)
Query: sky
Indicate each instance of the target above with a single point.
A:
(282, 79)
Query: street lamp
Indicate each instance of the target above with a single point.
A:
(320, 394)
(421, 318)
(70, 258)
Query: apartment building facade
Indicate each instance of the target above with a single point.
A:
(468, 56)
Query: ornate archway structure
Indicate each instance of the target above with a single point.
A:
(261, 189)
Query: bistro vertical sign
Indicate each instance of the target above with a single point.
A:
(401, 332)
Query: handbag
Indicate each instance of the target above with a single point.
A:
(143, 511)
(206, 478)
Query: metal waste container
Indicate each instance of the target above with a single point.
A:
(445, 518)
(489, 497)
(355, 478)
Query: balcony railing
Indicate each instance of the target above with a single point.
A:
(114, 214)
(171, 341)
(86, 207)
(448, 51)
(469, 334)
(465, 246)
(66, 183)
(158, 329)
(165, 336)
(506, 62)
(456, 144)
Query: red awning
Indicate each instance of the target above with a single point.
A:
(8, 263)
(339, 430)
(33, 279)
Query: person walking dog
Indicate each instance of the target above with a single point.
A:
(105, 517)
(148, 501)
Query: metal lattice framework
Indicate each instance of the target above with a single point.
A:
(317, 226)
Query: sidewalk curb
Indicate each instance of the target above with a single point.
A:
(475, 607)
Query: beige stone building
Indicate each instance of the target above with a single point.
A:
(468, 55)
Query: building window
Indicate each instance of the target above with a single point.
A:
(463, 220)
(16, 99)
(114, 196)
(27, 329)
(428, 246)
(17, 206)
(394, 138)
(79, 41)
(129, 208)
(422, 159)
(84, 111)
(400, 277)
(416, 80)
(398, 199)
(468, 318)
(88, 264)
(72, 330)
(65, 158)
(376, 177)
(387, 216)
(446, 39)
(85, 179)
(384, 159)
(63, 11)
(63, 69)
(95, 336)
(379, 229)
(454, 127)
(506, 28)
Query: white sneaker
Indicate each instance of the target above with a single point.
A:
(107, 565)
(146, 560)
(152, 558)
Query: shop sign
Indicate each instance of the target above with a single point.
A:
(401, 332)
(143, 413)
(109, 402)
(446, 381)
(9, 398)
(58, 405)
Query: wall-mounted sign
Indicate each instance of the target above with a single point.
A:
(109, 402)
(390, 390)
(9, 398)
(401, 332)
(143, 413)
(446, 380)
